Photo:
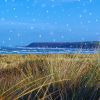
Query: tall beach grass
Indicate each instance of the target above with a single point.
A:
(50, 77)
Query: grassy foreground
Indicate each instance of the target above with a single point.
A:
(50, 77)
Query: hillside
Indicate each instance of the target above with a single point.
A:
(85, 45)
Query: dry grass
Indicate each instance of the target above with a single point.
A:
(50, 77)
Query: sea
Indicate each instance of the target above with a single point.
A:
(37, 50)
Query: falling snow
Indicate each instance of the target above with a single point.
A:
(28, 19)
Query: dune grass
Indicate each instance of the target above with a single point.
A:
(50, 77)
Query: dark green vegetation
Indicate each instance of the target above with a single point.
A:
(50, 77)
(85, 45)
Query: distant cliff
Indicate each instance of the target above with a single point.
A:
(86, 45)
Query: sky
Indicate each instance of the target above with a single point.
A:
(26, 21)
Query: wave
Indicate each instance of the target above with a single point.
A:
(29, 50)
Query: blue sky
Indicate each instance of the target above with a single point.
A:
(26, 21)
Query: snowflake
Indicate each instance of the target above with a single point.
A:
(6, 0)
(32, 27)
(70, 30)
(27, 7)
(63, 10)
(27, 13)
(87, 29)
(82, 38)
(67, 25)
(80, 16)
(12, 23)
(90, 1)
(40, 36)
(27, 0)
(51, 33)
(33, 19)
(11, 31)
(43, 5)
(13, 0)
(96, 20)
(52, 6)
(14, 8)
(3, 42)
(54, 40)
(81, 22)
(18, 34)
(52, 0)
(85, 10)
(62, 36)
(2, 19)
(9, 38)
(16, 16)
(90, 13)
(47, 11)
(98, 33)
(69, 15)
(89, 21)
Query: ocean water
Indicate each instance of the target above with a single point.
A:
(27, 50)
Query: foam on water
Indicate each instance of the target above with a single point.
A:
(27, 50)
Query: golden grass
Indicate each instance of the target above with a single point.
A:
(49, 77)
